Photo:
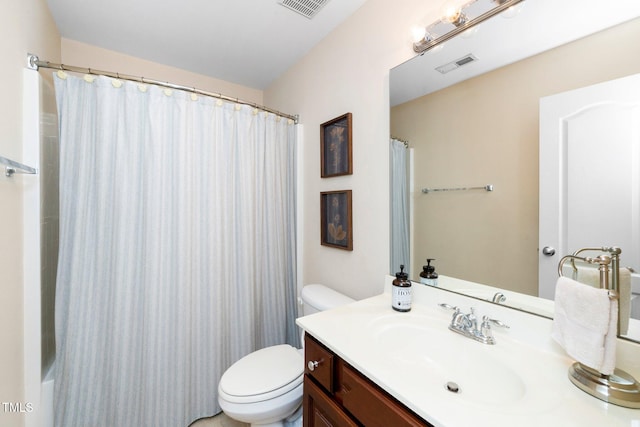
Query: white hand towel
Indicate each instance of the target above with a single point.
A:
(591, 276)
(585, 324)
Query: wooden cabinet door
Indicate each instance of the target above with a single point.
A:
(320, 410)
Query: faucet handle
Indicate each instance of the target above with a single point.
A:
(448, 306)
(457, 319)
(496, 322)
(485, 328)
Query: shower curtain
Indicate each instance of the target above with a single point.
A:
(400, 252)
(177, 253)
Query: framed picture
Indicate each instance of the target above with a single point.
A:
(335, 219)
(335, 147)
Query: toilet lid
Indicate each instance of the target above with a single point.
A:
(263, 371)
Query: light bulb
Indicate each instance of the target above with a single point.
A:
(451, 12)
(418, 33)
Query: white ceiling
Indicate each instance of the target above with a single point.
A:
(248, 42)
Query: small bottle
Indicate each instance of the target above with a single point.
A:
(428, 276)
(401, 292)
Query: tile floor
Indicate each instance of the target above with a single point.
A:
(220, 420)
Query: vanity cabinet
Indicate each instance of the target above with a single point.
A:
(337, 395)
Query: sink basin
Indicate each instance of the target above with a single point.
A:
(480, 376)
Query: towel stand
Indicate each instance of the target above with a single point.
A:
(619, 388)
(615, 265)
(603, 262)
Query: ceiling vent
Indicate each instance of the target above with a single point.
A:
(467, 59)
(306, 8)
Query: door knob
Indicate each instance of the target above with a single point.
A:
(312, 365)
(548, 251)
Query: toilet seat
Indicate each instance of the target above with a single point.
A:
(263, 375)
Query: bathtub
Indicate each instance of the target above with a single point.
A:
(46, 397)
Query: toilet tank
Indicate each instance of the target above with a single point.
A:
(317, 298)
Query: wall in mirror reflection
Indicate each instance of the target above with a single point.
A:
(485, 131)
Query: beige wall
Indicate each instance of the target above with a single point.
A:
(485, 131)
(25, 26)
(348, 72)
(88, 56)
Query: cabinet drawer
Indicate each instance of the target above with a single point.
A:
(318, 363)
(368, 403)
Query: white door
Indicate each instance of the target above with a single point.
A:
(589, 174)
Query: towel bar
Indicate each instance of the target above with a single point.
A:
(12, 167)
(488, 187)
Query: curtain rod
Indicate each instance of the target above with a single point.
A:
(33, 62)
(406, 143)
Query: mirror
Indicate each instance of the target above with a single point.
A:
(477, 125)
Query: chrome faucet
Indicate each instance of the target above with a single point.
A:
(467, 325)
(499, 298)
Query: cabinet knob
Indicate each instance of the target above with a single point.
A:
(312, 365)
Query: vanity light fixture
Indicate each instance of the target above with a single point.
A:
(458, 16)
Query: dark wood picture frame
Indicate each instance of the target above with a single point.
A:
(336, 147)
(336, 227)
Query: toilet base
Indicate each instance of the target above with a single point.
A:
(294, 420)
(271, 413)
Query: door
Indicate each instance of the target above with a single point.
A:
(589, 175)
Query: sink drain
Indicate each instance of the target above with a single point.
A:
(452, 387)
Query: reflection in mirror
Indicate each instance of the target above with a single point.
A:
(478, 124)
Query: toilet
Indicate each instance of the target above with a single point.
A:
(264, 388)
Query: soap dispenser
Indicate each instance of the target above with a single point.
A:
(401, 291)
(428, 276)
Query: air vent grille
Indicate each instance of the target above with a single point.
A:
(306, 8)
(467, 59)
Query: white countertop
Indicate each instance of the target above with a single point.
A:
(520, 381)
